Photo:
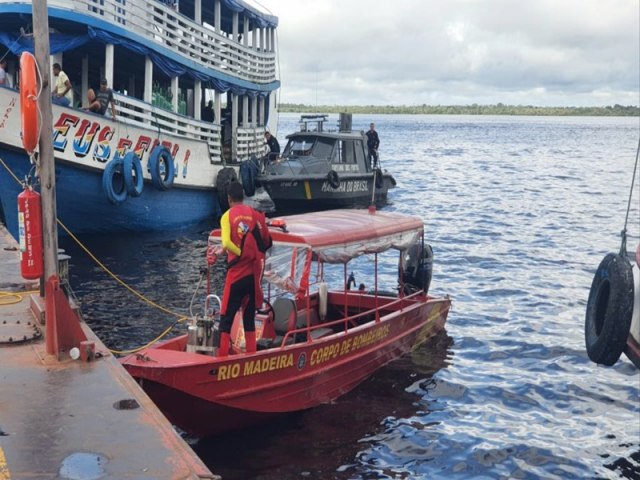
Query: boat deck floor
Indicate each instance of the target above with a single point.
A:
(74, 419)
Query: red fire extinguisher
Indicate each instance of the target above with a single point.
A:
(30, 234)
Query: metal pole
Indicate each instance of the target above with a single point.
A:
(47, 168)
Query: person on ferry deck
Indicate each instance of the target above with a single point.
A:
(373, 142)
(62, 91)
(207, 112)
(5, 78)
(105, 97)
(245, 237)
(274, 146)
(99, 102)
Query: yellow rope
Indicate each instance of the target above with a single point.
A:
(115, 277)
(17, 295)
(134, 350)
(181, 318)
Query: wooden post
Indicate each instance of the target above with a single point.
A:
(47, 167)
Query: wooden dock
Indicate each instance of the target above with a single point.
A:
(74, 419)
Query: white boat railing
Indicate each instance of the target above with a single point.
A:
(250, 142)
(131, 111)
(164, 26)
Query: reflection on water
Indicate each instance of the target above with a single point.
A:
(519, 212)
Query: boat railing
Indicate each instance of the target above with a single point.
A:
(132, 111)
(250, 142)
(164, 26)
(351, 320)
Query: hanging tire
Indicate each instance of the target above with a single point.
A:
(248, 173)
(132, 169)
(379, 178)
(162, 168)
(609, 310)
(333, 179)
(113, 184)
(225, 176)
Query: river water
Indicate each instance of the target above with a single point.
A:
(519, 211)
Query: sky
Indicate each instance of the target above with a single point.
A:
(458, 52)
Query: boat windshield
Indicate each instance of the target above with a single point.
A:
(287, 267)
(309, 146)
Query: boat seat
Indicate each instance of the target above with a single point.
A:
(284, 319)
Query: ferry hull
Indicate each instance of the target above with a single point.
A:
(84, 145)
(82, 206)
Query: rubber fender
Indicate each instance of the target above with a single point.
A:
(224, 178)
(113, 184)
(132, 169)
(248, 172)
(333, 178)
(162, 168)
(609, 310)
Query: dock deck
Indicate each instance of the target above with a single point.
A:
(74, 419)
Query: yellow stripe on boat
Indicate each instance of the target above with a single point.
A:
(307, 189)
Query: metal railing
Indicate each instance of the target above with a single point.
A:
(131, 111)
(174, 31)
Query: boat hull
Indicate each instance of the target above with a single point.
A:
(295, 194)
(206, 395)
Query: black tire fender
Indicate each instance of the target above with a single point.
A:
(609, 310)
(225, 176)
(248, 171)
(333, 179)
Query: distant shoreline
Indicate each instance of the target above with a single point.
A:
(498, 109)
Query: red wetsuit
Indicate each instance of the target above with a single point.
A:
(245, 261)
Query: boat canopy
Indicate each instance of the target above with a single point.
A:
(337, 236)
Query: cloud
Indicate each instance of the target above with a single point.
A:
(569, 53)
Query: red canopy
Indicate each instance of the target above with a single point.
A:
(337, 235)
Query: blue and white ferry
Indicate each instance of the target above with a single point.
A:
(165, 63)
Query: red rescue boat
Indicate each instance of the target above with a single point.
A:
(315, 342)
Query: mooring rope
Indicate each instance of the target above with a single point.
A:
(181, 318)
(623, 246)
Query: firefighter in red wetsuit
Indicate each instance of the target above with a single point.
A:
(245, 237)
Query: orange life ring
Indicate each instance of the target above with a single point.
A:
(29, 102)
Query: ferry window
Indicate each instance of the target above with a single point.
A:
(359, 152)
(323, 148)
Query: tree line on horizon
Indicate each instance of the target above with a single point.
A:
(475, 109)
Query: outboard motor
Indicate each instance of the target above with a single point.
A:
(417, 268)
(204, 332)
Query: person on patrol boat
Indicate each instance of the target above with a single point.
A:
(245, 238)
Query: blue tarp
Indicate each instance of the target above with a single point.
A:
(57, 42)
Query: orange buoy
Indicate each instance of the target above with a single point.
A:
(29, 102)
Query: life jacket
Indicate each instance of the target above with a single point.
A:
(241, 223)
